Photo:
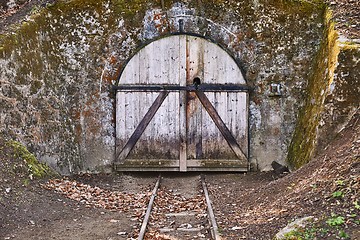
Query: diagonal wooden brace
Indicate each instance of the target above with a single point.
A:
(221, 125)
(141, 127)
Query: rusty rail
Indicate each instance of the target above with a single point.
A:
(215, 229)
(148, 211)
(211, 217)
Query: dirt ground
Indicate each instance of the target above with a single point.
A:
(247, 206)
(254, 206)
(33, 212)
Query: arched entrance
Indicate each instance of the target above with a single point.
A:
(181, 105)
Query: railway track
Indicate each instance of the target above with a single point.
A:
(179, 208)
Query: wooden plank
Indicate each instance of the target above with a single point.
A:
(170, 64)
(171, 123)
(173, 165)
(130, 75)
(218, 163)
(120, 120)
(182, 104)
(217, 169)
(156, 62)
(150, 162)
(220, 67)
(214, 144)
(194, 126)
(204, 87)
(140, 169)
(147, 165)
(207, 133)
(221, 125)
(222, 110)
(195, 67)
(141, 127)
(229, 165)
(240, 119)
(176, 119)
(161, 163)
(221, 107)
(211, 63)
(236, 117)
(183, 131)
(129, 116)
(143, 65)
(171, 52)
(176, 169)
(195, 58)
(143, 103)
(231, 113)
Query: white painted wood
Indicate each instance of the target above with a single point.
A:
(182, 132)
(120, 120)
(194, 65)
(143, 101)
(195, 58)
(182, 103)
(161, 137)
(182, 129)
(219, 67)
(157, 63)
(214, 144)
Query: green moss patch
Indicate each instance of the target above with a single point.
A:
(304, 139)
(25, 163)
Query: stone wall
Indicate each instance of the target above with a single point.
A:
(305, 136)
(57, 69)
(343, 101)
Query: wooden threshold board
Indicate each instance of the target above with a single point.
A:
(173, 165)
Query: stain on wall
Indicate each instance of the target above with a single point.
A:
(58, 67)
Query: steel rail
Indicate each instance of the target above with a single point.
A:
(148, 211)
(215, 229)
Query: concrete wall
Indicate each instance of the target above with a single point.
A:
(57, 69)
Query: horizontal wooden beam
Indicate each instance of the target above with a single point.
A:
(200, 87)
(176, 169)
(173, 164)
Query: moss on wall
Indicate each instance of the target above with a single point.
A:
(305, 136)
(31, 166)
(343, 101)
(57, 69)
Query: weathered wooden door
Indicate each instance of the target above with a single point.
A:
(181, 105)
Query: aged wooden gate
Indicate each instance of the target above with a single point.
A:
(181, 105)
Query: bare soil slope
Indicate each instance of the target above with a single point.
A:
(327, 188)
